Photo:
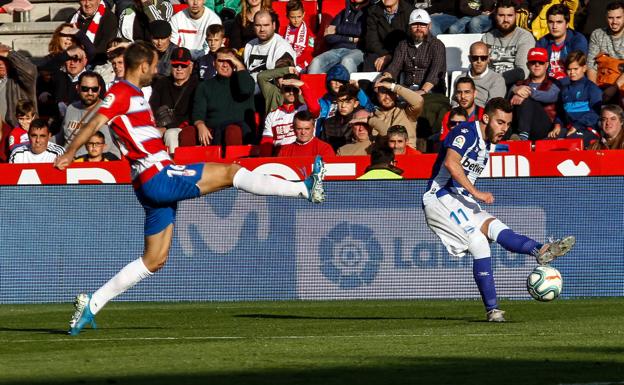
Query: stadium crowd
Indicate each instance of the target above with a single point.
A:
(278, 76)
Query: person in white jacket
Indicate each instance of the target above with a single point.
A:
(188, 28)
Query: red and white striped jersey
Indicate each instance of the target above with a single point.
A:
(278, 124)
(132, 123)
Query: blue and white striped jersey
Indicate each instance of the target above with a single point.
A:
(466, 139)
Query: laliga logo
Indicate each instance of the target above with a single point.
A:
(350, 255)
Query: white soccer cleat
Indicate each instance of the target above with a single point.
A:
(495, 315)
(552, 250)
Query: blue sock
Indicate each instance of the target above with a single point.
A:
(483, 276)
(517, 243)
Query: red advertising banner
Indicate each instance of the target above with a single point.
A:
(507, 165)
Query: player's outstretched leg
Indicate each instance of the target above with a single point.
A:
(557, 248)
(82, 315)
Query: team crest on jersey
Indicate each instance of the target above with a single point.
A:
(459, 141)
(108, 101)
(464, 131)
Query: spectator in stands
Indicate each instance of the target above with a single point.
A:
(474, 16)
(161, 39)
(17, 81)
(455, 116)
(116, 60)
(98, 23)
(561, 40)
(397, 138)
(581, 102)
(65, 92)
(223, 112)
(270, 83)
(465, 96)
(299, 35)
(134, 21)
(534, 99)
(382, 164)
(489, 84)
(306, 144)
(5, 131)
(39, 148)
(90, 86)
(268, 47)
(326, 106)
(96, 150)
(343, 39)
(509, 45)
(25, 113)
(360, 136)
(243, 28)
(188, 28)
(387, 24)
(444, 13)
(612, 132)
(592, 17)
(65, 36)
(215, 37)
(172, 98)
(391, 113)
(606, 53)
(226, 9)
(278, 125)
(336, 129)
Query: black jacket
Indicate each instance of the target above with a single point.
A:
(383, 37)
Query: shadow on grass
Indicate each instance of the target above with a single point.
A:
(64, 331)
(388, 370)
(299, 317)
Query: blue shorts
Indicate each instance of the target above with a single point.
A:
(160, 195)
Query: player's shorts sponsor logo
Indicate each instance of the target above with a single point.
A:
(459, 141)
(177, 170)
(108, 101)
(350, 255)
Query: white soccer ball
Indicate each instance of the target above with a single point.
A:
(544, 283)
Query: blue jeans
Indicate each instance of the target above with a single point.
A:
(440, 22)
(477, 24)
(350, 58)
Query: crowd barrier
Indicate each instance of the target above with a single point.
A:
(368, 241)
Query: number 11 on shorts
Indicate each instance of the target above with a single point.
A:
(456, 218)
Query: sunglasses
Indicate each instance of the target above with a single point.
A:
(87, 89)
(292, 89)
(532, 63)
(179, 65)
(75, 59)
(66, 35)
(453, 123)
(478, 57)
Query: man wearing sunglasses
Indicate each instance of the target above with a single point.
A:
(89, 89)
(489, 84)
(175, 93)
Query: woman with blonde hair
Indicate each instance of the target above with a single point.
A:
(243, 29)
(612, 129)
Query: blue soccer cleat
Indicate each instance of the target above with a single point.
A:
(82, 316)
(314, 183)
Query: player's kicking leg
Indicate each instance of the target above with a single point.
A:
(180, 185)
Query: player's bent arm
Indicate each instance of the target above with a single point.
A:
(452, 162)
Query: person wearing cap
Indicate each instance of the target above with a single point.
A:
(172, 98)
(382, 164)
(387, 24)
(561, 40)
(509, 45)
(135, 20)
(534, 99)
(360, 136)
(161, 39)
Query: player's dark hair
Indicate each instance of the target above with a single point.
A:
(576, 56)
(612, 6)
(348, 90)
(303, 116)
(382, 154)
(559, 9)
(38, 124)
(24, 107)
(397, 129)
(215, 29)
(505, 4)
(466, 79)
(497, 104)
(294, 5)
(138, 53)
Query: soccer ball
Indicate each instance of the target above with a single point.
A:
(544, 283)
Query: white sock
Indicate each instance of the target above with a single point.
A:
(262, 184)
(130, 275)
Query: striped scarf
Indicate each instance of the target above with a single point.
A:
(94, 25)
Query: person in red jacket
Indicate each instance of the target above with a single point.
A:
(298, 34)
(306, 144)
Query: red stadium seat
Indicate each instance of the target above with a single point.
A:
(517, 146)
(559, 145)
(187, 155)
(179, 7)
(316, 83)
(244, 151)
(309, 7)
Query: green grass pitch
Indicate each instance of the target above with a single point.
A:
(295, 342)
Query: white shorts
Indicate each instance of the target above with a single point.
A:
(454, 218)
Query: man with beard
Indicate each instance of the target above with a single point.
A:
(78, 113)
(465, 96)
(508, 44)
(452, 211)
